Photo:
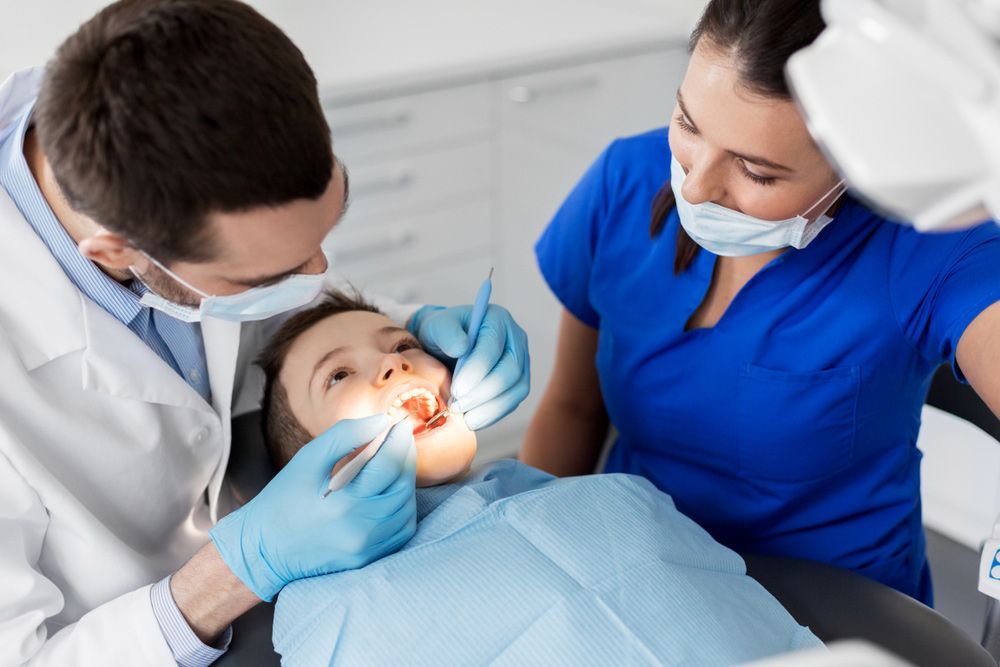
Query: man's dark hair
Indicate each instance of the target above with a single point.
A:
(283, 433)
(157, 113)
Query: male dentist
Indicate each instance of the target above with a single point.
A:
(166, 186)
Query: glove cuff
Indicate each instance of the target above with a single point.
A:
(240, 549)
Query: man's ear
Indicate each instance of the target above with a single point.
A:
(112, 251)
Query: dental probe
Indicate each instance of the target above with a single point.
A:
(346, 475)
(479, 307)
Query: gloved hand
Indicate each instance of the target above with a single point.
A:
(496, 376)
(290, 531)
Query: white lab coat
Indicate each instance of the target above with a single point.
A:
(111, 466)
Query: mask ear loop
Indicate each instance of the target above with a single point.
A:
(842, 183)
(173, 275)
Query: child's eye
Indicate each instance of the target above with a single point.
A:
(336, 376)
(408, 344)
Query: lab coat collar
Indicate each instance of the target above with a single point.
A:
(46, 317)
(17, 93)
(118, 363)
(40, 309)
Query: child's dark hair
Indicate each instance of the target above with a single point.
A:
(283, 433)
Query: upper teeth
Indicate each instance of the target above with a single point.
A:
(428, 399)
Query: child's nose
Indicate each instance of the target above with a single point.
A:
(392, 364)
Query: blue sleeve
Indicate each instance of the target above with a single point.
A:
(565, 251)
(940, 283)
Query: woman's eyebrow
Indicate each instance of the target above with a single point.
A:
(752, 159)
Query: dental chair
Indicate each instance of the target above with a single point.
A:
(834, 603)
(839, 604)
(250, 469)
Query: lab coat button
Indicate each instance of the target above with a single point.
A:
(200, 435)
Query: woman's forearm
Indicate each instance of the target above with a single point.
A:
(563, 441)
(567, 431)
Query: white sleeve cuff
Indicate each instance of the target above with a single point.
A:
(188, 650)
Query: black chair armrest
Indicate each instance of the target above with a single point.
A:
(839, 604)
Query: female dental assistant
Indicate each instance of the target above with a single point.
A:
(762, 341)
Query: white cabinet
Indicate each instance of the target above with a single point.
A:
(420, 181)
(402, 124)
(553, 125)
(446, 183)
(411, 243)
(588, 105)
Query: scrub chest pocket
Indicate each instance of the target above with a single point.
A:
(794, 426)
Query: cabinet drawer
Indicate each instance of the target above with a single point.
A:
(589, 105)
(394, 126)
(418, 182)
(366, 251)
(446, 284)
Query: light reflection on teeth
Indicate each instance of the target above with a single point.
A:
(427, 400)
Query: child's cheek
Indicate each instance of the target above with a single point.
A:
(429, 368)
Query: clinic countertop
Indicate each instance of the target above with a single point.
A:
(390, 45)
(365, 49)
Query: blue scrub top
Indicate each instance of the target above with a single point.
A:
(790, 427)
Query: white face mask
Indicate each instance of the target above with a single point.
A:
(730, 233)
(256, 303)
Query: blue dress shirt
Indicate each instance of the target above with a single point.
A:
(179, 344)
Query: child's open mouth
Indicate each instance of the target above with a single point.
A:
(422, 405)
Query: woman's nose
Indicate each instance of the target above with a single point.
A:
(703, 183)
(392, 365)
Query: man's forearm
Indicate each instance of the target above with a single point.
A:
(209, 595)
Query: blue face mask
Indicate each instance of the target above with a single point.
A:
(256, 303)
(730, 233)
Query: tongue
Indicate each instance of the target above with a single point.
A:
(416, 408)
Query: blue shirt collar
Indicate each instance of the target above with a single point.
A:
(17, 179)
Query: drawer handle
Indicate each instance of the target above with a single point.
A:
(364, 250)
(390, 183)
(369, 125)
(527, 94)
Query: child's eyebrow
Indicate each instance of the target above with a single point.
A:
(323, 361)
(387, 331)
(381, 333)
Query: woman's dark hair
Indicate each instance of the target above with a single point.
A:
(761, 35)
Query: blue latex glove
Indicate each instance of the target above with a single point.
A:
(290, 531)
(496, 376)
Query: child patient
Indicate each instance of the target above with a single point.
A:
(343, 359)
(509, 565)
